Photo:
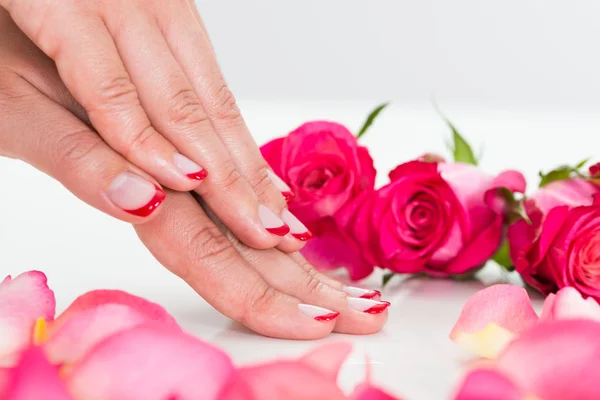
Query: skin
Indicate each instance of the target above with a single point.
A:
(146, 76)
(42, 124)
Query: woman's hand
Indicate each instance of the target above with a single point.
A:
(272, 293)
(147, 78)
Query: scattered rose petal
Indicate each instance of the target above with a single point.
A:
(368, 392)
(150, 362)
(97, 298)
(312, 377)
(488, 384)
(34, 378)
(24, 299)
(83, 330)
(569, 304)
(491, 318)
(556, 360)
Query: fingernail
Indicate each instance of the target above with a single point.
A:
(189, 168)
(297, 228)
(272, 222)
(360, 292)
(135, 194)
(318, 313)
(285, 190)
(367, 305)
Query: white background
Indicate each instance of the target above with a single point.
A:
(519, 79)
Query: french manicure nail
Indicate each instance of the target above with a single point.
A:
(134, 194)
(189, 168)
(272, 222)
(367, 305)
(360, 292)
(283, 187)
(297, 228)
(318, 313)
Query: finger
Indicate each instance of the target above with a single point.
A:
(174, 108)
(191, 47)
(40, 132)
(90, 66)
(357, 315)
(187, 242)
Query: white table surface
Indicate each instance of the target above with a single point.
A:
(43, 226)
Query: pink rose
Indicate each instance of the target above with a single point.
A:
(523, 235)
(326, 168)
(565, 252)
(443, 219)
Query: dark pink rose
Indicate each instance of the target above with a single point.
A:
(522, 234)
(565, 250)
(325, 168)
(443, 219)
(324, 165)
(595, 170)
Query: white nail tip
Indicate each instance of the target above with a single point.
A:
(313, 311)
(294, 223)
(268, 218)
(278, 182)
(360, 304)
(356, 291)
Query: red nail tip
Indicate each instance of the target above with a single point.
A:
(303, 236)
(198, 176)
(371, 294)
(288, 196)
(159, 197)
(327, 317)
(279, 231)
(379, 308)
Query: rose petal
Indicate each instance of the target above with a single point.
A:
(23, 300)
(150, 362)
(95, 298)
(491, 317)
(487, 384)
(568, 192)
(83, 330)
(368, 392)
(367, 169)
(556, 360)
(487, 342)
(34, 378)
(478, 251)
(271, 152)
(569, 304)
(328, 358)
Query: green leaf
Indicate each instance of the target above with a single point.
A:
(558, 174)
(581, 164)
(502, 257)
(386, 278)
(369, 121)
(460, 148)
(561, 173)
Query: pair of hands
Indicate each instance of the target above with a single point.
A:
(88, 112)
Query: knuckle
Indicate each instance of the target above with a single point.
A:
(75, 149)
(313, 284)
(261, 183)
(214, 249)
(116, 91)
(259, 299)
(231, 178)
(138, 140)
(224, 105)
(184, 108)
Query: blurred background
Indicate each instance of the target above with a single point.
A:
(511, 54)
(519, 78)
